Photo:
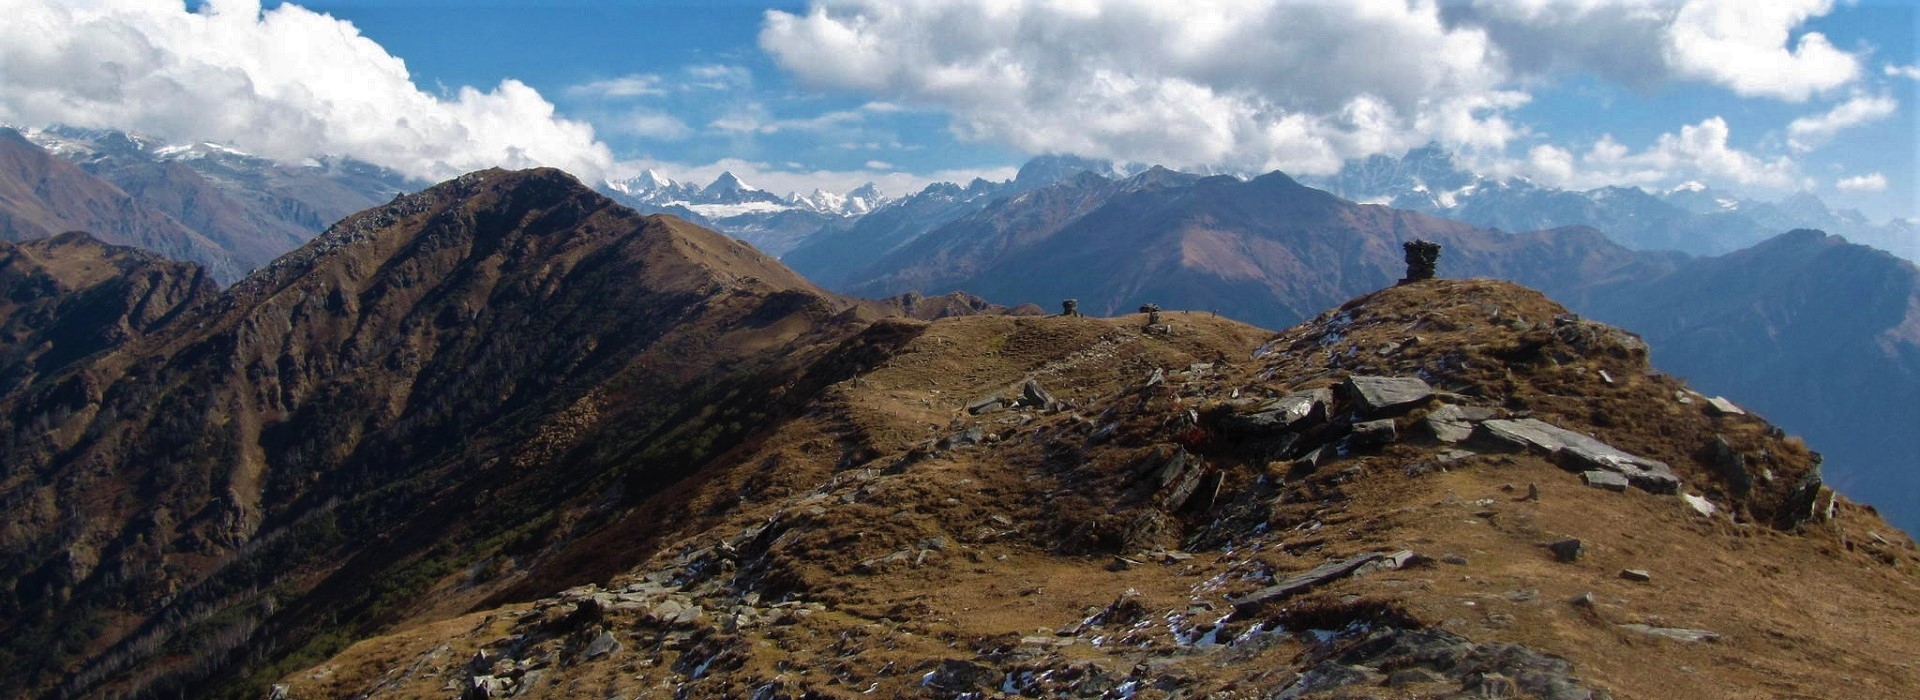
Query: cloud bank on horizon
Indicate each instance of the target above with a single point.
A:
(287, 83)
(1305, 86)
(1244, 86)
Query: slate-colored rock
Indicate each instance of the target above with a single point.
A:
(1309, 579)
(1679, 634)
(1032, 395)
(1720, 406)
(1636, 575)
(1373, 396)
(1731, 465)
(1374, 432)
(1568, 550)
(1290, 412)
(1576, 451)
(602, 645)
(1611, 481)
(987, 405)
(1452, 424)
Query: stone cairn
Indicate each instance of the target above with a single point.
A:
(1422, 256)
(1154, 324)
(1070, 307)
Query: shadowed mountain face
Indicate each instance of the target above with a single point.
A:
(69, 296)
(467, 379)
(1815, 332)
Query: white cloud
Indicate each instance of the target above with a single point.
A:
(1698, 151)
(1870, 182)
(1808, 133)
(715, 76)
(1908, 72)
(1274, 84)
(635, 85)
(287, 83)
(1300, 86)
(785, 178)
(653, 125)
(879, 165)
(1743, 45)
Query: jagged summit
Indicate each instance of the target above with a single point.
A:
(1442, 488)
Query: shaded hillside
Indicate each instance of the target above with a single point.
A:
(1084, 507)
(69, 296)
(41, 195)
(413, 412)
(1810, 330)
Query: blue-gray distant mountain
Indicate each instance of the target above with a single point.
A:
(1692, 218)
(243, 210)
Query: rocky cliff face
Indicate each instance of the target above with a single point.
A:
(461, 380)
(1444, 489)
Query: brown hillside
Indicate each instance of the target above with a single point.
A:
(1169, 515)
(457, 386)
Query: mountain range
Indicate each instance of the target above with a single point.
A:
(506, 437)
(204, 203)
(1692, 218)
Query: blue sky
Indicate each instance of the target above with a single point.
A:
(1760, 98)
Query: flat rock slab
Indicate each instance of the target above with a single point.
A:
(1610, 481)
(1580, 452)
(1284, 413)
(1316, 576)
(1375, 395)
(1678, 634)
(1452, 424)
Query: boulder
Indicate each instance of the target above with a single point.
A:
(1032, 395)
(1374, 396)
(1568, 550)
(1576, 451)
(1604, 480)
(1451, 424)
(602, 645)
(1288, 412)
(1374, 432)
(987, 405)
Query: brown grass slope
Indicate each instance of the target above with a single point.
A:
(425, 406)
(889, 540)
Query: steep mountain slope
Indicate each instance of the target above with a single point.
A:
(1817, 333)
(41, 195)
(1083, 507)
(69, 296)
(419, 408)
(252, 208)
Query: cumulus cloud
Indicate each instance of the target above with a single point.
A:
(1697, 151)
(1300, 86)
(1744, 45)
(1870, 182)
(287, 83)
(1295, 85)
(1810, 132)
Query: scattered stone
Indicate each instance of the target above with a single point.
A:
(277, 692)
(1610, 481)
(1300, 583)
(1608, 378)
(987, 405)
(602, 645)
(1032, 395)
(1578, 451)
(1533, 493)
(1636, 575)
(1585, 600)
(1679, 634)
(1070, 307)
(1731, 465)
(1568, 550)
(1289, 412)
(484, 688)
(1720, 406)
(1376, 395)
(1699, 504)
(1374, 432)
(1452, 424)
